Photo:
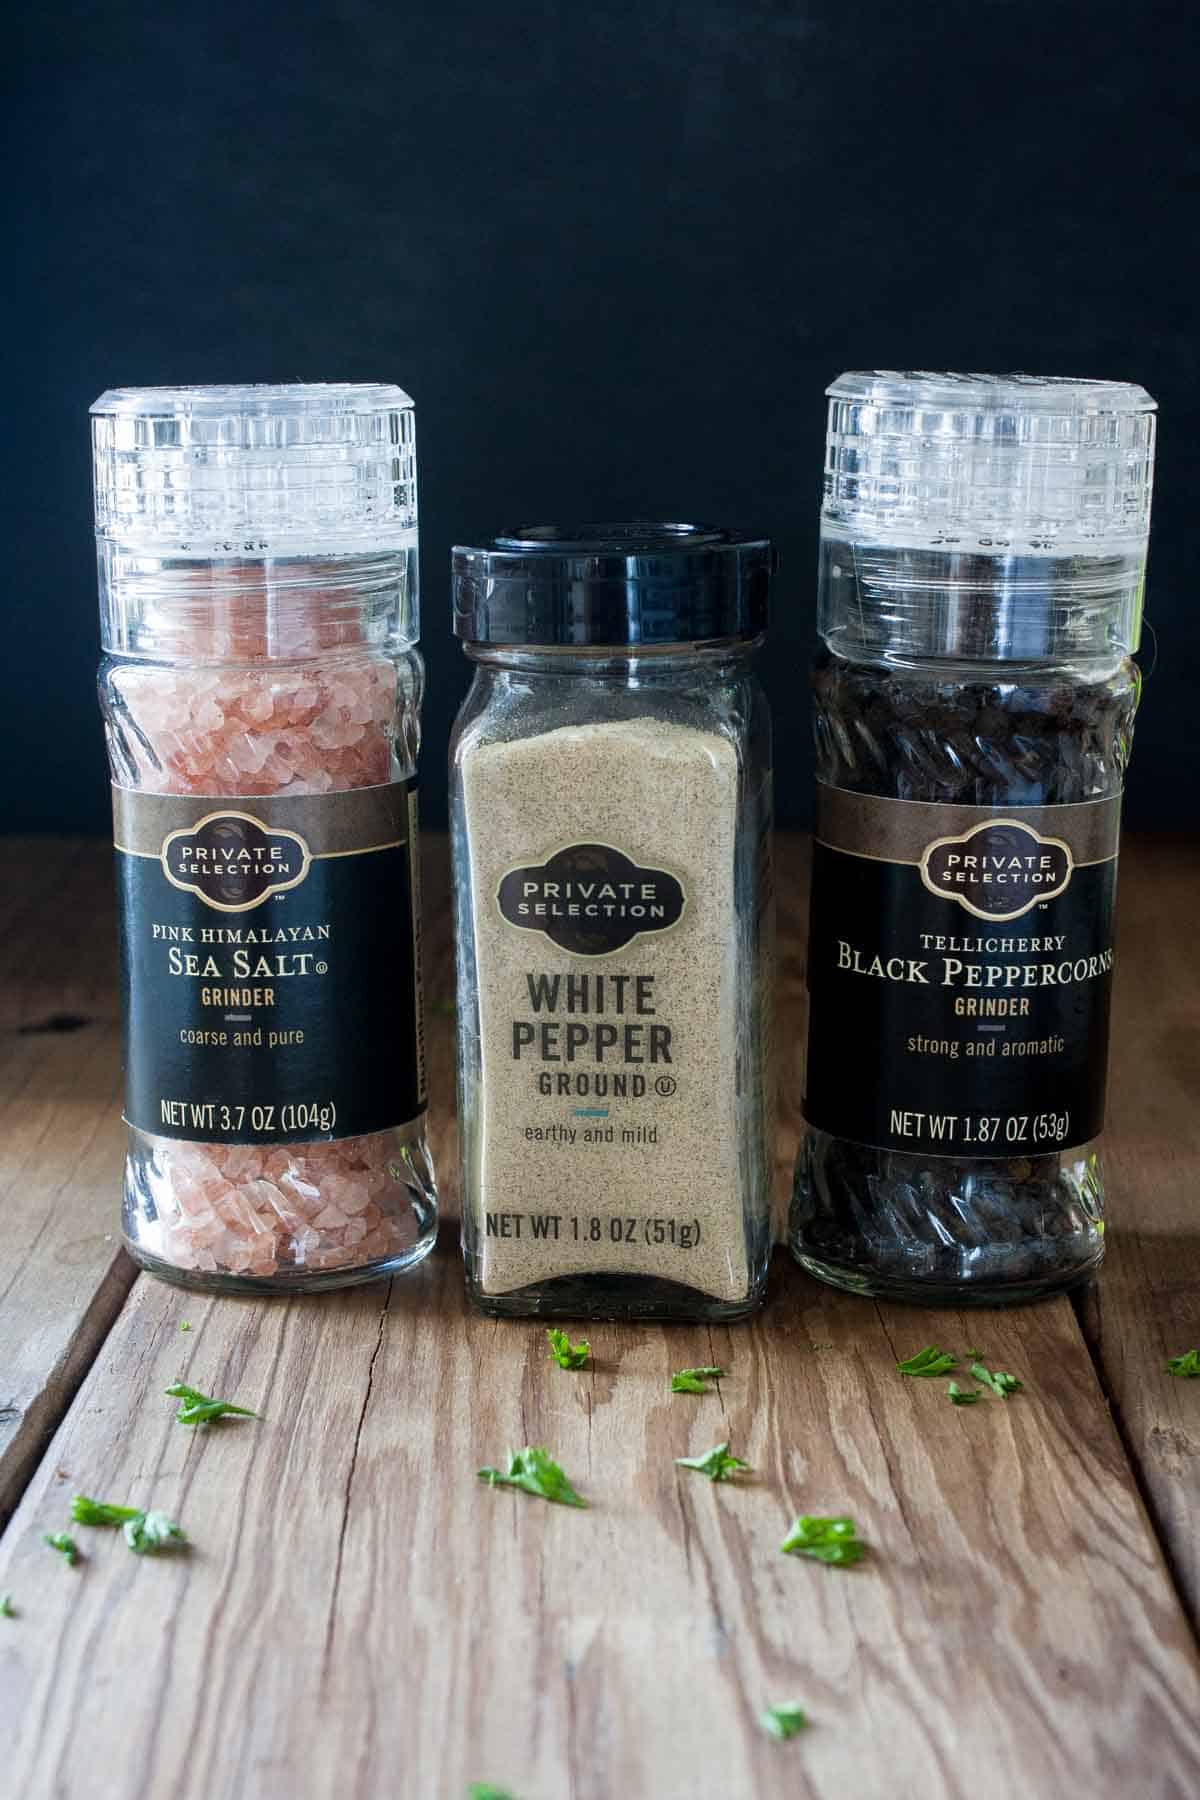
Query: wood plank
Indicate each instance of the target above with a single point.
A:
(63, 1276)
(360, 1615)
(359, 1612)
(1147, 1306)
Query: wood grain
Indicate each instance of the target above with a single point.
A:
(359, 1615)
(1147, 1306)
(63, 1276)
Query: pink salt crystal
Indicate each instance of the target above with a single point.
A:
(240, 733)
(274, 1207)
(258, 705)
(192, 1158)
(329, 730)
(188, 1194)
(304, 1243)
(207, 716)
(360, 709)
(237, 1212)
(247, 752)
(353, 1194)
(306, 1200)
(208, 1229)
(302, 705)
(242, 1162)
(376, 1243)
(277, 766)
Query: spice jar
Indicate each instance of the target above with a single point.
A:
(610, 802)
(983, 551)
(261, 690)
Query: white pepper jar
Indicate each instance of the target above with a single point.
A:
(611, 809)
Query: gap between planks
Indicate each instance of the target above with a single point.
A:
(356, 1603)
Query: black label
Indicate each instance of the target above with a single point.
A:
(960, 986)
(269, 966)
(591, 899)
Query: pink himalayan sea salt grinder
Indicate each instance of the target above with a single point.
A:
(261, 693)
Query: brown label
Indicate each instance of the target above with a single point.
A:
(912, 831)
(233, 862)
(350, 823)
(997, 870)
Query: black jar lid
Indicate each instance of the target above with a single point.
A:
(639, 583)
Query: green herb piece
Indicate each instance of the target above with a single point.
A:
(1187, 1365)
(536, 1472)
(694, 1381)
(566, 1354)
(483, 1790)
(7, 1609)
(716, 1463)
(184, 1326)
(962, 1396)
(144, 1532)
(997, 1380)
(974, 1355)
(783, 1722)
(201, 1409)
(99, 1512)
(929, 1361)
(66, 1546)
(151, 1532)
(828, 1540)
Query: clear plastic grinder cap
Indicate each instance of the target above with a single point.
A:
(255, 471)
(1017, 464)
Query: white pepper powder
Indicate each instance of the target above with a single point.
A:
(610, 1150)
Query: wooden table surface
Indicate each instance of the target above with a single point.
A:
(360, 1617)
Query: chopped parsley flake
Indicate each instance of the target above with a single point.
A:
(144, 1532)
(694, 1381)
(783, 1722)
(997, 1380)
(716, 1463)
(200, 1409)
(566, 1354)
(827, 1540)
(929, 1361)
(535, 1471)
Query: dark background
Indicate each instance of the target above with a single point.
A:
(615, 252)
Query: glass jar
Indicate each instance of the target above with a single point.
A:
(982, 562)
(610, 807)
(261, 692)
